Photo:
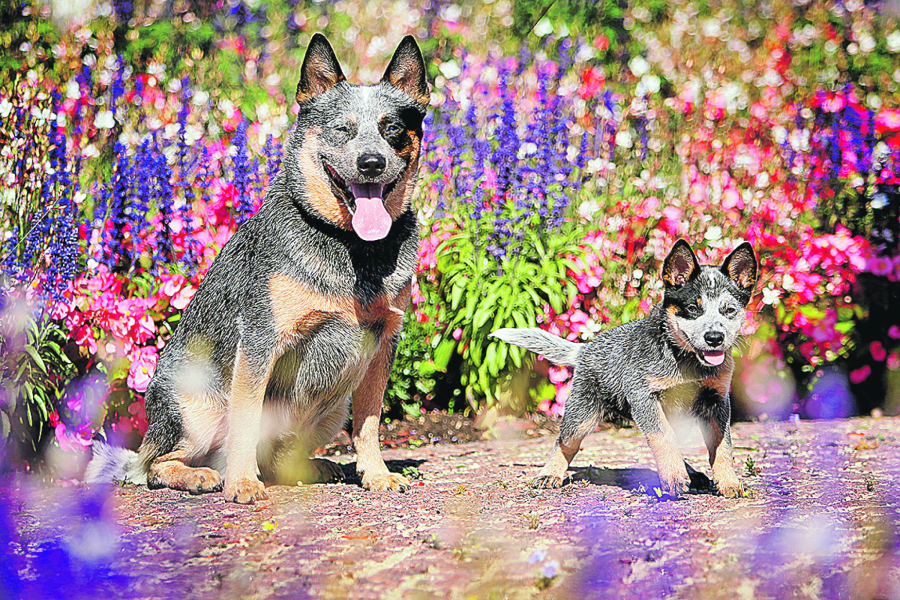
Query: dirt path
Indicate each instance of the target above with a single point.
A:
(823, 523)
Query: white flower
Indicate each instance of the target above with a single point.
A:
(5, 107)
(893, 41)
(543, 27)
(639, 66)
(713, 233)
(651, 83)
(770, 295)
(623, 139)
(104, 120)
(73, 90)
(450, 69)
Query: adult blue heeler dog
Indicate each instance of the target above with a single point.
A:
(640, 370)
(302, 309)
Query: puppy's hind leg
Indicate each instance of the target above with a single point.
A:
(579, 420)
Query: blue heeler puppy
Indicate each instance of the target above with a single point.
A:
(630, 371)
(302, 310)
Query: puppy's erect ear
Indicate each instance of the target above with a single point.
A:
(320, 70)
(741, 267)
(407, 71)
(680, 265)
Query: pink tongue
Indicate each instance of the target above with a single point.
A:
(370, 221)
(714, 358)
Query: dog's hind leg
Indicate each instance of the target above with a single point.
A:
(579, 420)
(173, 471)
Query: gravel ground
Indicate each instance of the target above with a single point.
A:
(821, 521)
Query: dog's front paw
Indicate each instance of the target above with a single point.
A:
(730, 487)
(245, 491)
(203, 479)
(674, 483)
(546, 482)
(381, 481)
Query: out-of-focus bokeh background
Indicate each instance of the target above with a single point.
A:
(568, 146)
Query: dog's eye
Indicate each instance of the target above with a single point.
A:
(694, 310)
(392, 129)
(342, 128)
(729, 311)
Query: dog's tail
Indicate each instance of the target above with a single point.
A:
(552, 347)
(111, 464)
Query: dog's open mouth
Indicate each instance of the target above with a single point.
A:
(713, 358)
(366, 203)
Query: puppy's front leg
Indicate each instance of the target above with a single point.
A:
(716, 427)
(367, 400)
(248, 388)
(651, 420)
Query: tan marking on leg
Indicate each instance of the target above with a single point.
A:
(248, 389)
(367, 404)
(554, 472)
(298, 309)
(171, 471)
(669, 461)
(721, 461)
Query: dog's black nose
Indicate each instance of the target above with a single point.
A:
(371, 165)
(714, 338)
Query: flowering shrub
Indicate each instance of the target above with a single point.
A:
(557, 173)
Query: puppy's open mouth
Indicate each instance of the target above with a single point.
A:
(712, 358)
(365, 201)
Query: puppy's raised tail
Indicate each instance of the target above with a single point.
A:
(552, 347)
(111, 464)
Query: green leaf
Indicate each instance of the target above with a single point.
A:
(36, 358)
(490, 357)
(443, 353)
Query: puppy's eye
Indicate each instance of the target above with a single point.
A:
(391, 129)
(342, 128)
(729, 311)
(694, 310)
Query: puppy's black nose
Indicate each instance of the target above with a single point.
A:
(371, 165)
(714, 338)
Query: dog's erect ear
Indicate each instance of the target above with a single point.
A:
(741, 267)
(407, 71)
(680, 265)
(320, 70)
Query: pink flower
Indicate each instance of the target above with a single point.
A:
(558, 374)
(894, 332)
(887, 119)
(183, 297)
(457, 333)
(84, 336)
(860, 374)
(878, 351)
(893, 361)
(143, 365)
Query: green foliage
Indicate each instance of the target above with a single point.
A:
(478, 296)
(411, 382)
(33, 371)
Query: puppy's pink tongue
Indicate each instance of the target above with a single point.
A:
(714, 358)
(370, 221)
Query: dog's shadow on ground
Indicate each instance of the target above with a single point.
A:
(409, 468)
(644, 481)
